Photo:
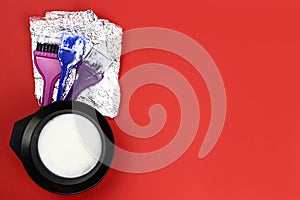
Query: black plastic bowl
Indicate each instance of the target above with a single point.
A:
(24, 142)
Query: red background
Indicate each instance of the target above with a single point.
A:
(255, 45)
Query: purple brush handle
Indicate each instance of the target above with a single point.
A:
(87, 76)
(49, 67)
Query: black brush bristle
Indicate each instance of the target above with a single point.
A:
(52, 48)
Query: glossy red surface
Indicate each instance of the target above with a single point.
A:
(255, 45)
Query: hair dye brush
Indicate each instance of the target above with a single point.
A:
(89, 73)
(46, 62)
(70, 53)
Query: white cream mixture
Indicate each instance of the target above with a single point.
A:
(69, 145)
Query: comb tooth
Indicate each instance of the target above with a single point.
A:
(55, 48)
(51, 48)
(38, 46)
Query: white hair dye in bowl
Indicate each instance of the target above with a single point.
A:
(69, 145)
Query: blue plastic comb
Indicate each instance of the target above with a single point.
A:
(70, 52)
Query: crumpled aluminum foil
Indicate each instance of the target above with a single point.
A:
(102, 35)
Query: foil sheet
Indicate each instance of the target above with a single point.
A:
(102, 36)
